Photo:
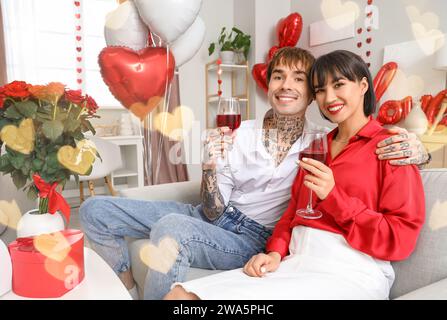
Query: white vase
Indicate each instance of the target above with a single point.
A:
(5, 269)
(227, 57)
(32, 223)
(416, 121)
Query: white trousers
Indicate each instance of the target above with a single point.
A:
(321, 266)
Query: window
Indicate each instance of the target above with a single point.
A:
(41, 43)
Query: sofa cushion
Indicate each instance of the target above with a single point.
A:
(435, 291)
(428, 262)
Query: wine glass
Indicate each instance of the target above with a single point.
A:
(228, 115)
(316, 148)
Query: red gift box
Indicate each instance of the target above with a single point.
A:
(47, 265)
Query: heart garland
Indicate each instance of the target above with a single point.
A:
(79, 67)
(366, 52)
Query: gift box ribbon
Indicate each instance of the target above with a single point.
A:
(55, 200)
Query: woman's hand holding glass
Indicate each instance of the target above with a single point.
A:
(320, 180)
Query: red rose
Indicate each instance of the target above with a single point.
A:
(91, 104)
(17, 89)
(74, 96)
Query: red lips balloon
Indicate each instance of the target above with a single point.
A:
(289, 30)
(138, 79)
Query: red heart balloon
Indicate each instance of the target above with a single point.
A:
(384, 78)
(289, 30)
(272, 52)
(259, 73)
(138, 79)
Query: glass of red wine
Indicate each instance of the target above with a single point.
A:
(316, 148)
(228, 115)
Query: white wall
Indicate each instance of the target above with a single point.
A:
(267, 15)
(215, 14)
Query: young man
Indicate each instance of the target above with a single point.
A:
(239, 209)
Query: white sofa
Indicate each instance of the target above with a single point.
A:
(422, 276)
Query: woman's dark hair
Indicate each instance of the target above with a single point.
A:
(348, 65)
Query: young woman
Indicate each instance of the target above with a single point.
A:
(372, 211)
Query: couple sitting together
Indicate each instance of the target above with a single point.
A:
(369, 191)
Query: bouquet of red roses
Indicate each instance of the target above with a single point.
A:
(42, 128)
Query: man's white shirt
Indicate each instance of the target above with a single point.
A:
(255, 185)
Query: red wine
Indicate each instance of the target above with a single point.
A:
(233, 121)
(317, 155)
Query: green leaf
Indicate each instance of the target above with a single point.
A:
(4, 163)
(26, 166)
(211, 48)
(37, 165)
(78, 135)
(42, 117)
(4, 122)
(27, 108)
(88, 126)
(72, 124)
(32, 193)
(52, 129)
(19, 179)
(52, 162)
(12, 113)
(17, 161)
(62, 116)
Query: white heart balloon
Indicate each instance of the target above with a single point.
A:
(168, 18)
(124, 27)
(187, 45)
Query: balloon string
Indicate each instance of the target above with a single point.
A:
(147, 132)
(166, 101)
(152, 39)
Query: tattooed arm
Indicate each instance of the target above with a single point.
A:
(213, 203)
(402, 148)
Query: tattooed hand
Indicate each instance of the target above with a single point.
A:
(404, 147)
(217, 144)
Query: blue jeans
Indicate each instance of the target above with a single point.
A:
(224, 244)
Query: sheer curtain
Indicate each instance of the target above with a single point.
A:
(158, 165)
(38, 38)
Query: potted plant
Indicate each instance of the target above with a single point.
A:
(230, 43)
(42, 130)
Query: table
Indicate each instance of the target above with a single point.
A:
(100, 283)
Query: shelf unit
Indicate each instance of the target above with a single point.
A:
(231, 73)
(132, 173)
(436, 144)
